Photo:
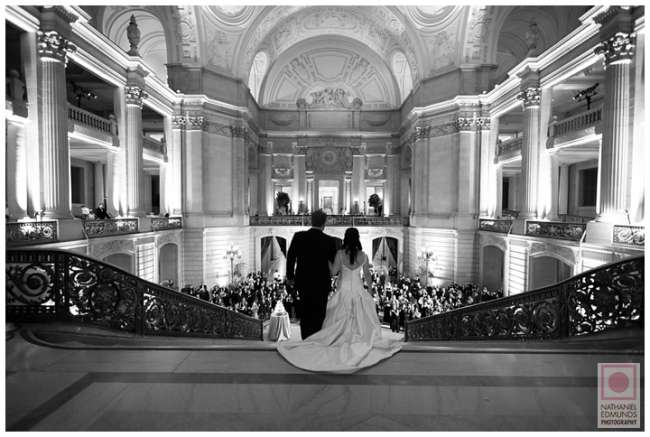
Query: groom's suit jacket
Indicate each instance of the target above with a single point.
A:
(307, 262)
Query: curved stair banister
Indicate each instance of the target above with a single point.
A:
(55, 285)
(607, 297)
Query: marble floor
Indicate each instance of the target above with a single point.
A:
(55, 389)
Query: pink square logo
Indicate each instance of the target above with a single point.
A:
(618, 381)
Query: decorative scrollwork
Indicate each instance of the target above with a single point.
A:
(604, 298)
(31, 232)
(102, 228)
(64, 286)
(617, 48)
(631, 235)
(164, 223)
(530, 97)
(495, 225)
(52, 45)
(557, 230)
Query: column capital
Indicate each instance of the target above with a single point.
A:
(52, 45)
(134, 95)
(179, 122)
(421, 132)
(196, 122)
(530, 97)
(238, 131)
(617, 48)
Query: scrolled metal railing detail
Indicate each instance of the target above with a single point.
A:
(557, 230)
(608, 297)
(630, 235)
(57, 285)
(32, 232)
(495, 225)
(332, 220)
(164, 223)
(102, 228)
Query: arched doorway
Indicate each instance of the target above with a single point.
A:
(493, 268)
(546, 270)
(123, 261)
(168, 265)
(274, 257)
(384, 254)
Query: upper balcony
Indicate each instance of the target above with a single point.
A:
(332, 220)
(508, 149)
(574, 128)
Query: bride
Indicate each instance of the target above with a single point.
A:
(350, 338)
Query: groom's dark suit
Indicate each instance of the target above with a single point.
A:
(311, 250)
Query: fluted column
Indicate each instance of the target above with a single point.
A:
(530, 97)
(358, 181)
(174, 180)
(53, 49)
(310, 193)
(617, 48)
(16, 171)
(240, 170)
(134, 162)
(266, 184)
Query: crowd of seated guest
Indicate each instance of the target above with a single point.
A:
(398, 298)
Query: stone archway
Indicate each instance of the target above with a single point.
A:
(168, 264)
(547, 270)
(493, 264)
(123, 261)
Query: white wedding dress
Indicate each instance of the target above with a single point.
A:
(350, 338)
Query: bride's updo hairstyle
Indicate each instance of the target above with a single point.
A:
(351, 243)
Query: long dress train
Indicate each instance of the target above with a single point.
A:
(350, 338)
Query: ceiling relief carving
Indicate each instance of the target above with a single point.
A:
(330, 159)
(330, 78)
(379, 28)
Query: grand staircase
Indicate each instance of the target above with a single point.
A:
(60, 286)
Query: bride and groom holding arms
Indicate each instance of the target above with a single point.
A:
(340, 334)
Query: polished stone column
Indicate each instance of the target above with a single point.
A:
(100, 194)
(563, 189)
(488, 186)
(392, 202)
(16, 171)
(310, 193)
(530, 97)
(134, 161)
(174, 127)
(266, 184)
(499, 191)
(617, 48)
(193, 189)
(299, 184)
(347, 193)
(358, 181)
(53, 49)
(240, 169)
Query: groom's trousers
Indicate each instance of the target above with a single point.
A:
(312, 314)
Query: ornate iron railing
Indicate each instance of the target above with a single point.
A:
(608, 297)
(495, 225)
(54, 285)
(508, 147)
(102, 228)
(163, 223)
(630, 235)
(557, 230)
(332, 220)
(89, 119)
(31, 232)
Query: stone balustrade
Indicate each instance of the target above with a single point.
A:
(89, 119)
(153, 145)
(575, 123)
(508, 148)
(502, 226)
(629, 235)
(165, 223)
(19, 233)
(103, 228)
(556, 230)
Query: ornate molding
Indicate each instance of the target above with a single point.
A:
(238, 131)
(473, 123)
(63, 13)
(630, 235)
(196, 122)
(530, 97)
(134, 95)
(179, 122)
(618, 48)
(52, 45)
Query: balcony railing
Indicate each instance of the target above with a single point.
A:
(89, 119)
(502, 226)
(564, 127)
(164, 223)
(630, 235)
(31, 232)
(332, 220)
(509, 147)
(103, 228)
(54, 285)
(557, 230)
(606, 298)
(153, 145)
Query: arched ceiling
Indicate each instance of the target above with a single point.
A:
(432, 38)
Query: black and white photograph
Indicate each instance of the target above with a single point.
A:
(324, 216)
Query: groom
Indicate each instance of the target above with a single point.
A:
(312, 251)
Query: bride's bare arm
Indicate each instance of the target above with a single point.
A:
(366, 272)
(335, 267)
